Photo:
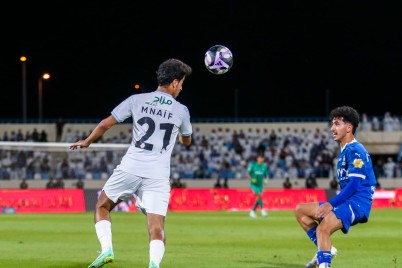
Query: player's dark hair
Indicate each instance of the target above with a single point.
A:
(170, 70)
(348, 114)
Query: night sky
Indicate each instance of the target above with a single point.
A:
(291, 58)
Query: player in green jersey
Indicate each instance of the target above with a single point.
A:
(258, 173)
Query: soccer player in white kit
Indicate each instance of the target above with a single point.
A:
(144, 170)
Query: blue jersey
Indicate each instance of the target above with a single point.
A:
(357, 181)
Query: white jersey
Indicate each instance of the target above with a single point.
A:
(157, 120)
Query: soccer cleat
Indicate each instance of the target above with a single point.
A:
(264, 213)
(252, 214)
(314, 262)
(153, 265)
(103, 258)
(334, 252)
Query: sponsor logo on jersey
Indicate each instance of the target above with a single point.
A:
(358, 163)
(161, 102)
(342, 173)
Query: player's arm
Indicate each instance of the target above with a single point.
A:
(346, 192)
(250, 175)
(343, 195)
(99, 130)
(186, 128)
(355, 173)
(186, 140)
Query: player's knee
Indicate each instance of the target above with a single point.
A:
(156, 232)
(323, 229)
(298, 210)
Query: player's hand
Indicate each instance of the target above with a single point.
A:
(265, 181)
(253, 180)
(323, 210)
(79, 144)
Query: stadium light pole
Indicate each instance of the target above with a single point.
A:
(23, 60)
(44, 76)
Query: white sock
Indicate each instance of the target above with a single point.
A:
(156, 251)
(104, 232)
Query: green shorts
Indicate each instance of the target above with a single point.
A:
(256, 188)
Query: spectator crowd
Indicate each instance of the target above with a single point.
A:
(221, 154)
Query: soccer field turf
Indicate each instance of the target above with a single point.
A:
(195, 239)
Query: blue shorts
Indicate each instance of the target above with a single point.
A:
(351, 213)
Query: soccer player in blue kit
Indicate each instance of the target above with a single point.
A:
(144, 171)
(357, 183)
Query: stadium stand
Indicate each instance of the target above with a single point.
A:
(220, 150)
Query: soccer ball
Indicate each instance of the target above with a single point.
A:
(218, 59)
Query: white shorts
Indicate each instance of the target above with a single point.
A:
(151, 195)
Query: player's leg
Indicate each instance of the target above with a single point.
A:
(261, 204)
(103, 207)
(254, 209)
(120, 186)
(153, 199)
(103, 230)
(258, 201)
(325, 229)
(157, 238)
(341, 217)
(304, 214)
(257, 193)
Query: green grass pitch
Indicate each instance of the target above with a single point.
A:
(195, 239)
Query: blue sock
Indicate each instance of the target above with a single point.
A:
(324, 256)
(312, 234)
